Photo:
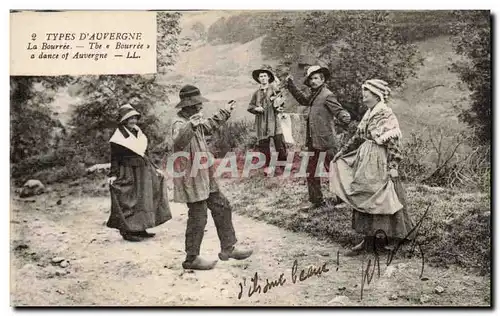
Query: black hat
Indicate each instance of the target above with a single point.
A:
(256, 73)
(190, 95)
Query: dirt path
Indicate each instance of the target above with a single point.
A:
(105, 270)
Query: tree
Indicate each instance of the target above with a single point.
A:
(217, 31)
(94, 119)
(472, 39)
(354, 45)
(198, 29)
(167, 46)
(31, 119)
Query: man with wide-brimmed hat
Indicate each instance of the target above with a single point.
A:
(265, 106)
(200, 190)
(320, 134)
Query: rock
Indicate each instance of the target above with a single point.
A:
(424, 298)
(324, 254)
(60, 292)
(390, 271)
(339, 301)
(439, 289)
(341, 288)
(29, 270)
(59, 202)
(74, 183)
(28, 267)
(99, 168)
(64, 264)
(21, 247)
(402, 266)
(32, 187)
(57, 259)
(61, 272)
(393, 297)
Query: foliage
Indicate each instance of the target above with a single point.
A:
(472, 39)
(232, 136)
(95, 117)
(436, 158)
(167, 46)
(455, 231)
(412, 26)
(30, 119)
(355, 45)
(199, 30)
(244, 27)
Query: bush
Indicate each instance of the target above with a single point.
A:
(57, 174)
(456, 229)
(232, 136)
(355, 45)
(472, 39)
(94, 119)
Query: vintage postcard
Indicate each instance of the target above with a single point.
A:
(250, 158)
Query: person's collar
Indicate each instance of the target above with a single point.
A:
(264, 87)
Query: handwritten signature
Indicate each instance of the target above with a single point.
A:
(255, 285)
(367, 275)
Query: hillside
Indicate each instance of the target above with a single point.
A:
(222, 73)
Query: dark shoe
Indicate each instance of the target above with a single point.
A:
(130, 237)
(144, 234)
(335, 201)
(356, 250)
(235, 253)
(353, 252)
(199, 264)
(313, 205)
(319, 205)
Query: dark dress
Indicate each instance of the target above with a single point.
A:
(139, 197)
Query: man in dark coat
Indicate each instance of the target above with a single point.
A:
(320, 134)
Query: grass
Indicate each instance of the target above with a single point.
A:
(456, 230)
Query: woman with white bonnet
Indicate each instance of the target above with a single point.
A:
(365, 176)
(138, 188)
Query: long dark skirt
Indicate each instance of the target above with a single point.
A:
(138, 197)
(395, 226)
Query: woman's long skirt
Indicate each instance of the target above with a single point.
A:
(361, 179)
(139, 197)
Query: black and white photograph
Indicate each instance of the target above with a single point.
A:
(258, 158)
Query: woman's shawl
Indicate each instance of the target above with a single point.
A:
(380, 124)
(126, 139)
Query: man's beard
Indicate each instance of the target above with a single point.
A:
(316, 87)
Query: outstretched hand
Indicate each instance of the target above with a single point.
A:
(196, 119)
(230, 105)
